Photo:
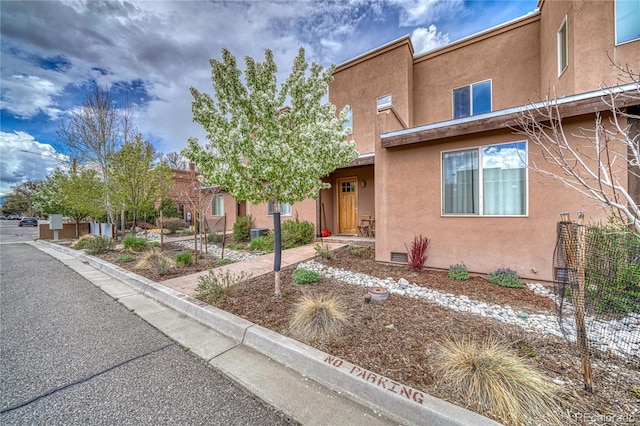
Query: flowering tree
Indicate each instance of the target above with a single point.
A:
(267, 144)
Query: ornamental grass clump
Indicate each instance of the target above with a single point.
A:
(317, 316)
(505, 277)
(184, 258)
(99, 244)
(135, 243)
(492, 379)
(156, 262)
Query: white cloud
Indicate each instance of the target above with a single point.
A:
(25, 96)
(419, 12)
(23, 158)
(425, 39)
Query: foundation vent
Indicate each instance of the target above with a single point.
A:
(399, 257)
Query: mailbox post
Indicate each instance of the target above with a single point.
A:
(55, 223)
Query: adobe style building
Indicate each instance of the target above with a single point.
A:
(438, 155)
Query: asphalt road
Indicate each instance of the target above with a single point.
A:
(72, 355)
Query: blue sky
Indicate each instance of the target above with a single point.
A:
(54, 52)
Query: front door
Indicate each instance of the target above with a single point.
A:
(347, 205)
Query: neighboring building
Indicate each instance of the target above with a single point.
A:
(438, 157)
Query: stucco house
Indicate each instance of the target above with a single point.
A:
(439, 157)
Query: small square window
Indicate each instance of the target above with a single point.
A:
(472, 100)
(384, 101)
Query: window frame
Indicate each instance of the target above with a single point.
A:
(270, 209)
(384, 104)
(615, 25)
(349, 124)
(562, 38)
(470, 86)
(213, 204)
(481, 207)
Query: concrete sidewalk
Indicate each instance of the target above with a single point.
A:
(310, 386)
(257, 266)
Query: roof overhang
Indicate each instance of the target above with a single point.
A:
(569, 106)
(362, 160)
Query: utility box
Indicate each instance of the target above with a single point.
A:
(55, 221)
(258, 232)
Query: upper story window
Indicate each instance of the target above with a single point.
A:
(472, 100)
(217, 205)
(563, 47)
(349, 122)
(285, 209)
(384, 101)
(486, 181)
(627, 20)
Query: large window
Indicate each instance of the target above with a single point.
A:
(627, 20)
(285, 209)
(472, 100)
(487, 181)
(217, 205)
(563, 47)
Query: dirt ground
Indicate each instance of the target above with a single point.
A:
(399, 337)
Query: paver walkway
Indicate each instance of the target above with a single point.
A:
(257, 266)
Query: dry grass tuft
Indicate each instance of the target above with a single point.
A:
(155, 261)
(493, 379)
(317, 316)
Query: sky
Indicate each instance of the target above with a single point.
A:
(150, 52)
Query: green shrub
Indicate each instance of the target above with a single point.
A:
(224, 261)
(214, 288)
(168, 208)
(123, 258)
(266, 243)
(458, 272)
(323, 250)
(184, 258)
(214, 238)
(82, 242)
(505, 277)
(305, 276)
(242, 228)
(99, 244)
(186, 233)
(174, 224)
(135, 243)
(296, 233)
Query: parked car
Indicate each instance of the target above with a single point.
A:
(28, 221)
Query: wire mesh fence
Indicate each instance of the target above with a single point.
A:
(597, 276)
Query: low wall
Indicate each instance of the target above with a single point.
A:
(67, 232)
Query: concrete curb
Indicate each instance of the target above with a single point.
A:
(394, 400)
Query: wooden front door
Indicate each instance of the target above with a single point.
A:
(347, 205)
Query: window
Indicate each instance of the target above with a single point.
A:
(285, 209)
(384, 101)
(217, 205)
(627, 20)
(349, 122)
(563, 47)
(472, 100)
(487, 181)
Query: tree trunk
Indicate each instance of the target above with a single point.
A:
(277, 258)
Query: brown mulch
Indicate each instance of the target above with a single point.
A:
(399, 337)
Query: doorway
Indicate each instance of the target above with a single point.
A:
(347, 205)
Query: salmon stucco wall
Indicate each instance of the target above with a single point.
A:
(411, 198)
